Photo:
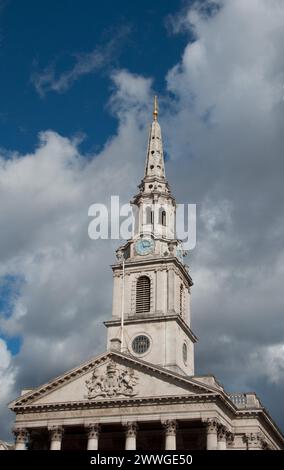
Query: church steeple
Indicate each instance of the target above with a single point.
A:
(155, 166)
(151, 296)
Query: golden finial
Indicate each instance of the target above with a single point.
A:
(156, 109)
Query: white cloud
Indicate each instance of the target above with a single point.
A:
(223, 130)
(132, 91)
(269, 361)
(7, 380)
(44, 201)
(228, 118)
(84, 63)
(7, 373)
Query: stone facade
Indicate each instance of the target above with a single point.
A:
(143, 392)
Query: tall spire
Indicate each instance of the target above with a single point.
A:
(155, 167)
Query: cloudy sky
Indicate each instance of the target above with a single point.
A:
(77, 86)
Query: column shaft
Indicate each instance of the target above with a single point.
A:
(130, 443)
(170, 434)
(170, 443)
(222, 445)
(56, 434)
(93, 436)
(55, 445)
(222, 434)
(212, 435)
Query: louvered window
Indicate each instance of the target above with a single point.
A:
(143, 295)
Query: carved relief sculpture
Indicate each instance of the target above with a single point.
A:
(111, 383)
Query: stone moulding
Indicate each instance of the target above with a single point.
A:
(104, 358)
(120, 402)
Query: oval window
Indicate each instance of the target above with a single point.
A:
(140, 344)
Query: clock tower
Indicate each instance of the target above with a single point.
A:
(151, 293)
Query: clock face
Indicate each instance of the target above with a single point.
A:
(144, 246)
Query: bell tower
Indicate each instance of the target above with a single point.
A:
(151, 291)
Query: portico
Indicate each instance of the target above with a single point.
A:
(144, 436)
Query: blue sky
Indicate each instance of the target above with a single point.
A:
(73, 69)
(39, 35)
(43, 35)
(10, 288)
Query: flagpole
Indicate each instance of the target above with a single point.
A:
(122, 307)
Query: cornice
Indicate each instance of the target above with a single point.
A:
(139, 198)
(153, 319)
(116, 403)
(262, 414)
(156, 261)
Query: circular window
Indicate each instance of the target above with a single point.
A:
(184, 352)
(140, 344)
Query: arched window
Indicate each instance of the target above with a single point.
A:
(143, 294)
(162, 216)
(149, 215)
(181, 300)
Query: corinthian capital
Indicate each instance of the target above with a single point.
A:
(93, 430)
(221, 432)
(21, 434)
(212, 425)
(170, 426)
(56, 432)
(131, 429)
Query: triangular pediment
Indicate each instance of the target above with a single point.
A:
(112, 376)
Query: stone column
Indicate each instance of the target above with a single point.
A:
(170, 434)
(93, 436)
(221, 438)
(253, 441)
(56, 434)
(21, 438)
(131, 432)
(212, 434)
